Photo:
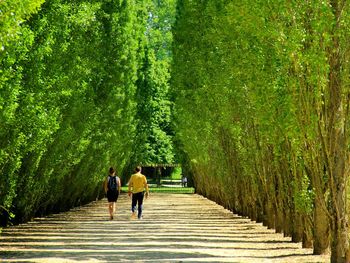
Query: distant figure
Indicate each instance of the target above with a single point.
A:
(112, 187)
(184, 181)
(137, 187)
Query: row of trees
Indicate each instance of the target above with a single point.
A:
(261, 110)
(261, 105)
(72, 76)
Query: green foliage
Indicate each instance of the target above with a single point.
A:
(176, 173)
(79, 81)
(15, 43)
(304, 197)
(13, 14)
(155, 143)
(67, 102)
(252, 88)
(257, 92)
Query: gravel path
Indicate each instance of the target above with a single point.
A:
(175, 228)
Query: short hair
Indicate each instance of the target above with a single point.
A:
(111, 170)
(138, 169)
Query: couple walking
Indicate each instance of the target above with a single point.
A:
(137, 187)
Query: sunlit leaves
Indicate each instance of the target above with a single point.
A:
(154, 106)
(67, 101)
(251, 86)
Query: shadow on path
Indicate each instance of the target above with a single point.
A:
(175, 228)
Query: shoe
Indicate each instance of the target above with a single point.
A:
(133, 215)
(111, 217)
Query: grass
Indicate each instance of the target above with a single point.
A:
(170, 184)
(171, 190)
(178, 190)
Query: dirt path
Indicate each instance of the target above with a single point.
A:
(175, 228)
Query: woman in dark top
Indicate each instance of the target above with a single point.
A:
(112, 188)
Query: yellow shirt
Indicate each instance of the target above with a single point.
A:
(138, 183)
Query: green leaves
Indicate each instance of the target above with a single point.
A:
(251, 82)
(13, 14)
(154, 132)
(67, 102)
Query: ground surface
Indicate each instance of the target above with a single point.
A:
(175, 228)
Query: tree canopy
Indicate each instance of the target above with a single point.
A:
(262, 110)
(252, 97)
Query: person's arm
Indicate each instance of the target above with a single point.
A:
(105, 185)
(119, 185)
(129, 186)
(146, 187)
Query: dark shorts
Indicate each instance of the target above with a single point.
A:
(112, 196)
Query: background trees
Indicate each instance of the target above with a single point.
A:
(259, 89)
(84, 85)
(259, 93)
(154, 133)
(68, 99)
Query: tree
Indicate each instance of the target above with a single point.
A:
(261, 103)
(72, 108)
(154, 144)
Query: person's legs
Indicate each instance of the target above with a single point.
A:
(133, 204)
(140, 202)
(110, 209)
(112, 199)
(110, 204)
(115, 203)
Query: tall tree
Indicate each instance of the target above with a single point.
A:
(155, 144)
(73, 110)
(267, 79)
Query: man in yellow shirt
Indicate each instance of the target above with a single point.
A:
(137, 186)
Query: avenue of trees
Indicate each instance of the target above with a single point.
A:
(252, 97)
(261, 109)
(72, 75)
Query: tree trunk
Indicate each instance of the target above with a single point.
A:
(288, 221)
(340, 239)
(336, 144)
(297, 234)
(253, 213)
(307, 232)
(280, 221)
(321, 228)
(270, 216)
